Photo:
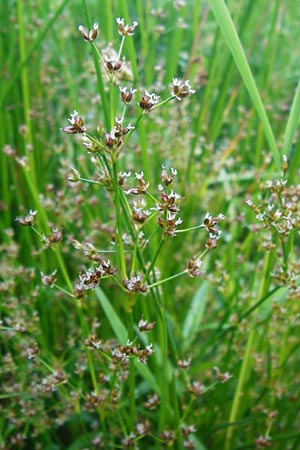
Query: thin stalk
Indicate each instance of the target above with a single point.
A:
(119, 233)
(164, 371)
(167, 279)
(131, 378)
(112, 103)
(25, 88)
(245, 368)
(36, 44)
(121, 48)
(44, 220)
(158, 249)
(226, 24)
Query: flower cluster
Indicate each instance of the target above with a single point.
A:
(122, 353)
(77, 125)
(126, 95)
(278, 215)
(125, 30)
(89, 35)
(50, 383)
(135, 284)
(49, 280)
(181, 89)
(141, 187)
(28, 220)
(148, 101)
(280, 211)
(211, 225)
(194, 266)
(114, 139)
(91, 279)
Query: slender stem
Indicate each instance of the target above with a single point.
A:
(158, 105)
(167, 279)
(89, 181)
(246, 360)
(131, 380)
(119, 233)
(112, 105)
(159, 247)
(121, 48)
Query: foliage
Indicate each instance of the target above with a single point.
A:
(149, 245)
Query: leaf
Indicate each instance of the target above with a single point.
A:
(193, 319)
(114, 320)
(145, 372)
(292, 123)
(226, 24)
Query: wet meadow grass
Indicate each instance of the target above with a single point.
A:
(150, 222)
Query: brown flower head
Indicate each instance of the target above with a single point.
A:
(181, 89)
(126, 95)
(77, 125)
(89, 35)
(49, 280)
(148, 101)
(145, 326)
(125, 30)
(28, 220)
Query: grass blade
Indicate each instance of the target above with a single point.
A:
(145, 372)
(194, 315)
(36, 44)
(227, 27)
(292, 122)
(114, 320)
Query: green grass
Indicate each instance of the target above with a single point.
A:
(221, 351)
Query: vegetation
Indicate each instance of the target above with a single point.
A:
(149, 244)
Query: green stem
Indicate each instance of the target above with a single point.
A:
(159, 247)
(25, 88)
(112, 104)
(245, 368)
(121, 48)
(167, 279)
(119, 233)
(131, 378)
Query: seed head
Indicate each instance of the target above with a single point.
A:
(148, 101)
(112, 65)
(125, 30)
(49, 280)
(28, 220)
(89, 35)
(145, 326)
(181, 89)
(126, 96)
(77, 125)
(194, 266)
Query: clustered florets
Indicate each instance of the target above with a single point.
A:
(77, 125)
(148, 101)
(28, 220)
(123, 352)
(89, 35)
(92, 277)
(181, 89)
(135, 284)
(141, 186)
(126, 95)
(125, 30)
